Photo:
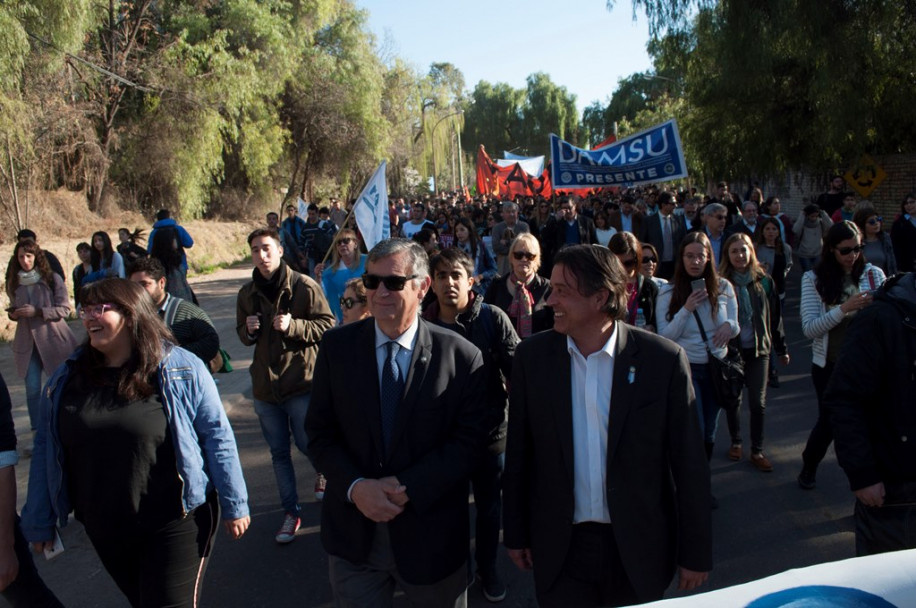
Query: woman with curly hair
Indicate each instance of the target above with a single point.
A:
(40, 306)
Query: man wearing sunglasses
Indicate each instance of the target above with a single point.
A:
(283, 314)
(397, 424)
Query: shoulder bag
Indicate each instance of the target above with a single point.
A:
(726, 373)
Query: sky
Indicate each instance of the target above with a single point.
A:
(586, 49)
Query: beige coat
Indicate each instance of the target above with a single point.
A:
(49, 333)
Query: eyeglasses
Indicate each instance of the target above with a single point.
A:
(631, 263)
(95, 311)
(848, 250)
(349, 303)
(649, 260)
(392, 283)
(524, 255)
(345, 241)
(875, 220)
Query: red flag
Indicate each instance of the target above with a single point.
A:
(508, 182)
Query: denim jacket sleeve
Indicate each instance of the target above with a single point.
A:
(217, 441)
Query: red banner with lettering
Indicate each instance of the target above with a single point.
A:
(509, 182)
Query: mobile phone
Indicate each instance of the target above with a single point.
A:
(57, 548)
(698, 285)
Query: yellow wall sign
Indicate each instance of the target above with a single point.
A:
(865, 176)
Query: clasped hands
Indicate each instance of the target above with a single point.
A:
(381, 500)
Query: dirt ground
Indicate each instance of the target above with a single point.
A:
(62, 220)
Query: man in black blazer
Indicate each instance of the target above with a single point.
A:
(395, 512)
(606, 486)
(654, 233)
(572, 227)
(628, 218)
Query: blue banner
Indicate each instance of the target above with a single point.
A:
(653, 155)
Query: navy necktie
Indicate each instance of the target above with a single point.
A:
(392, 389)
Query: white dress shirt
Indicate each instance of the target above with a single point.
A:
(592, 380)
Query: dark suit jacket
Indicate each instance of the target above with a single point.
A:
(738, 226)
(614, 219)
(438, 436)
(587, 234)
(652, 233)
(657, 477)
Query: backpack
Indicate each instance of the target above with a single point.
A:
(167, 247)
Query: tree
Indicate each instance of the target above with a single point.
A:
(547, 109)
(493, 118)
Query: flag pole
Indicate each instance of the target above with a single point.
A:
(337, 234)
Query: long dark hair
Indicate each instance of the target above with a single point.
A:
(681, 280)
(148, 333)
(41, 265)
(759, 239)
(828, 274)
(167, 249)
(104, 257)
(472, 236)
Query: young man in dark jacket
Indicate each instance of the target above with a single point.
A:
(458, 308)
(283, 314)
(871, 405)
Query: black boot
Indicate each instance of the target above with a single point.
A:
(709, 445)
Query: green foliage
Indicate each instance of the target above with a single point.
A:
(502, 118)
(778, 84)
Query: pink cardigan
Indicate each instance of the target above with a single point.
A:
(49, 333)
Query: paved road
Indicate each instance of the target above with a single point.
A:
(765, 524)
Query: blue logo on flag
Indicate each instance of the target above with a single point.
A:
(654, 155)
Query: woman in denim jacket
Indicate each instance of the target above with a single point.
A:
(134, 440)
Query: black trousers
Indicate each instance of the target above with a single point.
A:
(593, 573)
(165, 567)
(821, 435)
(28, 590)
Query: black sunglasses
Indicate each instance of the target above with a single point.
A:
(392, 283)
(631, 263)
(649, 260)
(349, 303)
(524, 255)
(345, 240)
(848, 250)
(875, 220)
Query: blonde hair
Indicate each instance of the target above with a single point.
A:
(533, 246)
(335, 255)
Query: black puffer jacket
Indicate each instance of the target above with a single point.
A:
(872, 393)
(489, 329)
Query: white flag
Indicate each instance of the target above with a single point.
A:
(372, 209)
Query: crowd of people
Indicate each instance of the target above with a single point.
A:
(570, 310)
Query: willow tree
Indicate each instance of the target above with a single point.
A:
(35, 37)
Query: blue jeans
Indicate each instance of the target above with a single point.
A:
(278, 421)
(707, 406)
(808, 263)
(33, 387)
